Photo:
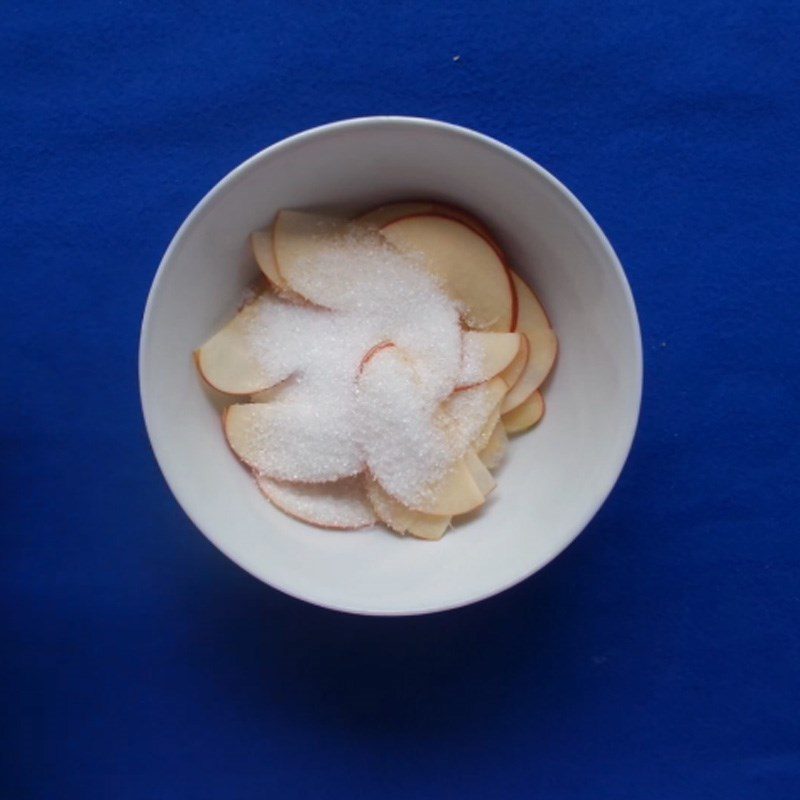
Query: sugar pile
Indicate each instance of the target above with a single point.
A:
(409, 446)
(337, 413)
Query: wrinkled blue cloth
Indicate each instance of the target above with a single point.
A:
(657, 658)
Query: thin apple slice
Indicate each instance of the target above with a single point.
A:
(466, 413)
(469, 268)
(488, 430)
(405, 520)
(525, 415)
(384, 215)
(494, 450)
(228, 362)
(511, 374)
(531, 315)
(411, 446)
(485, 355)
(341, 505)
(455, 493)
(480, 474)
(268, 395)
(543, 347)
(299, 239)
(291, 441)
(261, 242)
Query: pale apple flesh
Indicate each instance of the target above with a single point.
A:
(384, 215)
(525, 415)
(485, 355)
(511, 374)
(298, 240)
(469, 268)
(227, 361)
(466, 413)
(455, 493)
(530, 313)
(405, 520)
(543, 347)
(488, 430)
(495, 447)
(480, 473)
(261, 242)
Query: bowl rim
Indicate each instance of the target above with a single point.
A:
(340, 126)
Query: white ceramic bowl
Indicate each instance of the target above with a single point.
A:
(554, 479)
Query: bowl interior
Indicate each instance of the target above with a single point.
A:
(553, 479)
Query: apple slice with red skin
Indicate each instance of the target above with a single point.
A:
(525, 415)
(338, 505)
(543, 347)
(470, 270)
(383, 215)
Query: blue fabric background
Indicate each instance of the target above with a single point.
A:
(656, 658)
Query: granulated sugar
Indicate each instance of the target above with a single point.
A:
(405, 449)
(408, 444)
(472, 356)
(335, 415)
(359, 274)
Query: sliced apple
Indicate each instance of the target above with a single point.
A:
(383, 215)
(413, 448)
(298, 240)
(480, 474)
(469, 268)
(291, 441)
(341, 505)
(530, 314)
(525, 415)
(228, 362)
(372, 352)
(488, 429)
(495, 448)
(455, 493)
(485, 355)
(543, 347)
(404, 520)
(466, 413)
(261, 242)
(512, 372)
(268, 395)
